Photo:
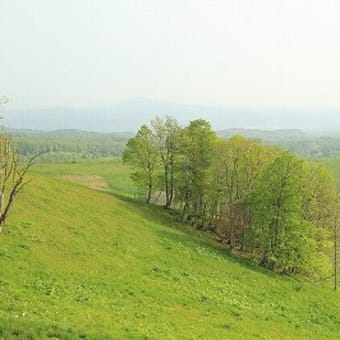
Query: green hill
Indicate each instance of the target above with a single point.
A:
(76, 262)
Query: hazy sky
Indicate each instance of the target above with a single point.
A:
(244, 53)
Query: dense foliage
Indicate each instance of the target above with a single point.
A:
(319, 147)
(69, 144)
(309, 144)
(259, 199)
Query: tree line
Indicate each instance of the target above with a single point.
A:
(72, 145)
(320, 147)
(259, 199)
(63, 147)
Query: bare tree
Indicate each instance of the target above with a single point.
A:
(12, 172)
(12, 176)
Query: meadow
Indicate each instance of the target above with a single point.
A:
(81, 263)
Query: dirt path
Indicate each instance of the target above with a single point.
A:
(91, 181)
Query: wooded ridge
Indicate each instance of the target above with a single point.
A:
(261, 200)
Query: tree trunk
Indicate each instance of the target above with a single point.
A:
(167, 191)
(171, 198)
(148, 199)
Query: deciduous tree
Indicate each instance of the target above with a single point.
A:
(166, 137)
(142, 155)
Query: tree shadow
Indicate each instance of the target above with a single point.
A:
(151, 212)
(189, 236)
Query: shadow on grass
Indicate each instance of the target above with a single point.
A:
(189, 236)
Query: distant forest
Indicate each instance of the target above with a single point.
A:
(308, 145)
(67, 145)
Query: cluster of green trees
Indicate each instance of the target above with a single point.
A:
(318, 148)
(68, 145)
(308, 145)
(259, 199)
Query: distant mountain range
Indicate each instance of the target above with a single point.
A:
(129, 115)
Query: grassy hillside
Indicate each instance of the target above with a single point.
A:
(81, 263)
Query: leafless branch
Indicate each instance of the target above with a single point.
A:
(12, 177)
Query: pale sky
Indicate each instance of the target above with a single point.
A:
(237, 53)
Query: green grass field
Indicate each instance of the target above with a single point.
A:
(81, 263)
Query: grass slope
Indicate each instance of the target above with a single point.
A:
(80, 263)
